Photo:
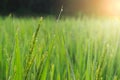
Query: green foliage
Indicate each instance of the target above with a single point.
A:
(70, 49)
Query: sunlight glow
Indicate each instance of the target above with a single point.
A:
(111, 7)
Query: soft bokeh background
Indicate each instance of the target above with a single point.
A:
(108, 7)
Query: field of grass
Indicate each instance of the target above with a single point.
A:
(71, 49)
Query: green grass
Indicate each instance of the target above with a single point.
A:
(71, 49)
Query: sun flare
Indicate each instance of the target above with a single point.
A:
(111, 7)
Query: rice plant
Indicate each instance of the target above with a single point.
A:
(85, 48)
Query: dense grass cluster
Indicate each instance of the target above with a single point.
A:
(71, 49)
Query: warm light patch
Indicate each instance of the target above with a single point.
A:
(100, 7)
(110, 7)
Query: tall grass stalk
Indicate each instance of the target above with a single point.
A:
(30, 59)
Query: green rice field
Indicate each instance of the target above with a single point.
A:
(70, 49)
